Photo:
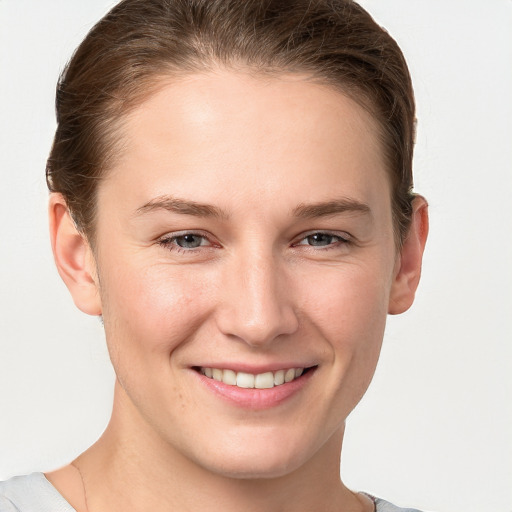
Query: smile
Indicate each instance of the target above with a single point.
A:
(245, 380)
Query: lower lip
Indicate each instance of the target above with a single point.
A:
(256, 399)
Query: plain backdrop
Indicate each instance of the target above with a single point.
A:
(434, 430)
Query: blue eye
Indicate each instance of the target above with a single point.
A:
(185, 241)
(189, 241)
(321, 239)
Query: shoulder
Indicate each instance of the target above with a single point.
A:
(31, 492)
(384, 506)
(6, 505)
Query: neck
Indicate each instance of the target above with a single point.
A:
(134, 469)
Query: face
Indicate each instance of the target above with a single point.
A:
(245, 237)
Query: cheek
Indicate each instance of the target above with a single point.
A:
(149, 312)
(351, 316)
(349, 303)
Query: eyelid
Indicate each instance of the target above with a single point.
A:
(168, 239)
(343, 235)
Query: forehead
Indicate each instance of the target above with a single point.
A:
(254, 136)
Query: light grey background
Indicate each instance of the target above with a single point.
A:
(434, 431)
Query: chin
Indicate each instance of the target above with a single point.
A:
(262, 459)
(247, 469)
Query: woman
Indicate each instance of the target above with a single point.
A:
(231, 191)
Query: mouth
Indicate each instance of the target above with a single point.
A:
(261, 390)
(244, 380)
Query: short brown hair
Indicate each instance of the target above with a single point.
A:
(120, 61)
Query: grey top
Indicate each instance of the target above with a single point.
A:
(34, 493)
(31, 493)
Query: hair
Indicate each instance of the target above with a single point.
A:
(129, 52)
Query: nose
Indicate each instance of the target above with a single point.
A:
(256, 303)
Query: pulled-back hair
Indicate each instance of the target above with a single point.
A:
(126, 55)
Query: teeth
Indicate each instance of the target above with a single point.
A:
(265, 380)
(279, 378)
(289, 375)
(229, 377)
(244, 380)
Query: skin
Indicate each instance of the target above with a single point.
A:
(261, 290)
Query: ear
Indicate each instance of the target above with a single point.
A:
(73, 257)
(408, 266)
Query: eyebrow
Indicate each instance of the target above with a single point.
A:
(303, 210)
(328, 208)
(181, 206)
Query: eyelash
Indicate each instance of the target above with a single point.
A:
(344, 239)
(169, 242)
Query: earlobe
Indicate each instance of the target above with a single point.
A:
(73, 257)
(408, 271)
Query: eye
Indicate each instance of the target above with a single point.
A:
(190, 241)
(322, 239)
(184, 241)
